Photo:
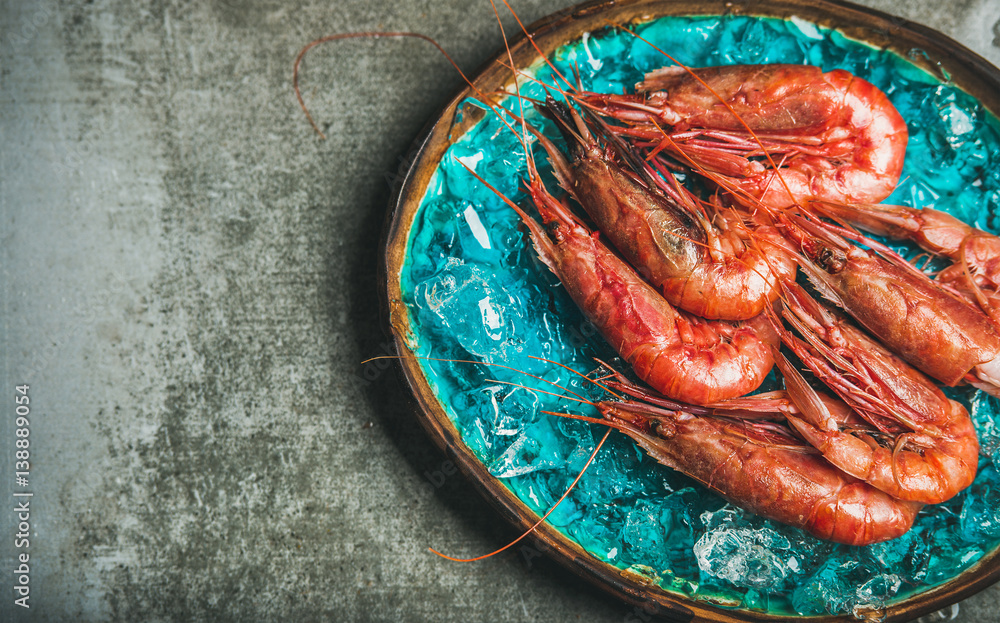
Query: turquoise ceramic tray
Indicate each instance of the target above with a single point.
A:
(463, 283)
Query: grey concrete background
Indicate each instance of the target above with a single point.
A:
(188, 286)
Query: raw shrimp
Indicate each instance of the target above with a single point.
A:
(921, 446)
(975, 254)
(684, 357)
(931, 327)
(766, 472)
(835, 136)
(719, 271)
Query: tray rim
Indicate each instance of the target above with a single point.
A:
(967, 70)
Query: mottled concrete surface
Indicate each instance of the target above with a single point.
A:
(188, 286)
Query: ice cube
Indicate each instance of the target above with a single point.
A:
(847, 585)
(438, 235)
(478, 312)
(658, 533)
(615, 474)
(500, 161)
(957, 119)
(678, 519)
(986, 416)
(871, 597)
(476, 410)
(826, 590)
(755, 600)
(643, 535)
(906, 555)
(689, 45)
(747, 556)
(601, 531)
(516, 408)
(953, 128)
(536, 447)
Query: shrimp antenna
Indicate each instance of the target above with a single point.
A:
(571, 125)
(541, 391)
(358, 35)
(580, 374)
(593, 455)
(529, 158)
(577, 396)
(735, 191)
(378, 35)
(531, 40)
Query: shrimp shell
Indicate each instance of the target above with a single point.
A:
(837, 137)
(928, 450)
(782, 481)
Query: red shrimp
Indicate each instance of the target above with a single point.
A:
(716, 271)
(931, 327)
(831, 135)
(683, 357)
(921, 446)
(975, 254)
(766, 472)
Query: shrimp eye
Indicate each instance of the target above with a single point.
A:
(664, 429)
(558, 233)
(832, 260)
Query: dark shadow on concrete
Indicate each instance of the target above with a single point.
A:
(389, 397)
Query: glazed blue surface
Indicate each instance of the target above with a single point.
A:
(475, 290)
